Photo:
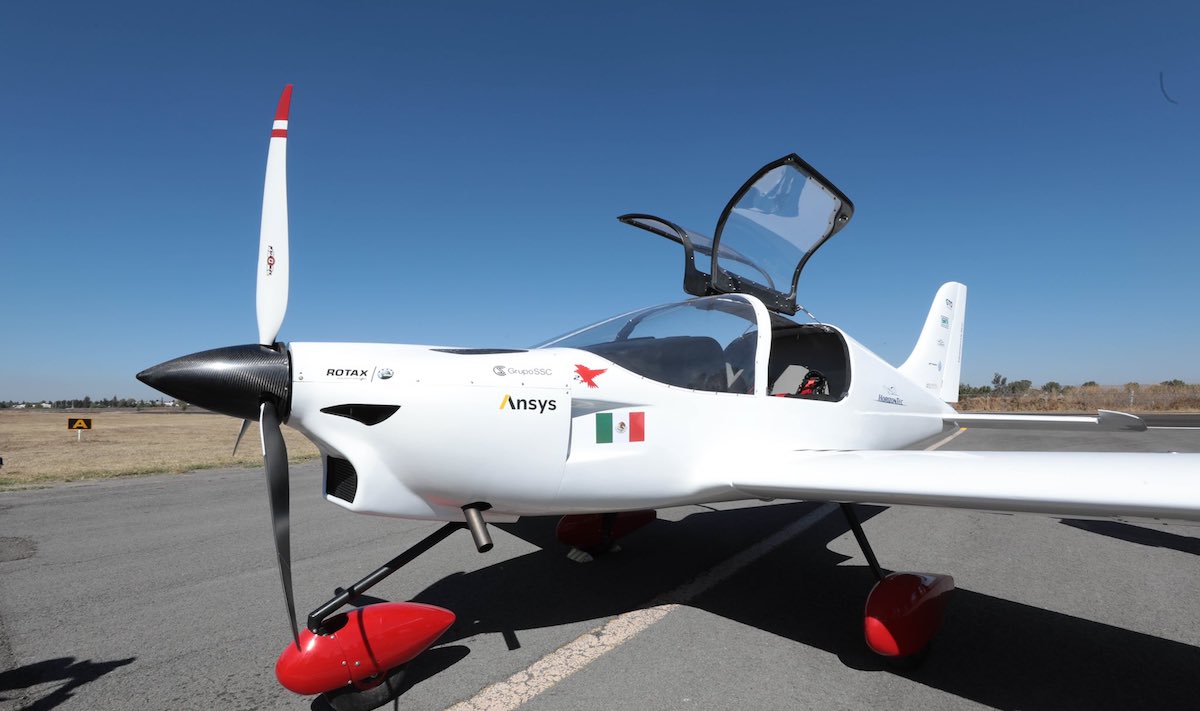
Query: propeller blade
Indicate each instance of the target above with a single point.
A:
(241, 433)
(275, 461)
(273, 260)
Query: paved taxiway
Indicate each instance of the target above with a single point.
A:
(161, 593)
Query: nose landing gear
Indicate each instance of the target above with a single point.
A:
(356, 660)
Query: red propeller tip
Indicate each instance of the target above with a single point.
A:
(285, 104)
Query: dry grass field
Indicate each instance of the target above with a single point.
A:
(1132, 398)
(38, 448)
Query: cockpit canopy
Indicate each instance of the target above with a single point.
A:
(764, 237)
(723, 344)
(682, 344)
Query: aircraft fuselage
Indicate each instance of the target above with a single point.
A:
(525, 433)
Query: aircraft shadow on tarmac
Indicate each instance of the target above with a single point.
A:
(990, 650)
(54, 671)
(1136, 534)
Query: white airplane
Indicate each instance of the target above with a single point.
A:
(718, 398)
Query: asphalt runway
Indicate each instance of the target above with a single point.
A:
(161, 593)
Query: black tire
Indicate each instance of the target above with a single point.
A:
(349, 698)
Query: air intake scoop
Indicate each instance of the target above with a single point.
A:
(233, 381)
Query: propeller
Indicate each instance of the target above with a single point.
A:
(271, 301)
(272, 296)
(275, 461)
(253, 381)
(241, 433)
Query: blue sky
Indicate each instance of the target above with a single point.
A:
(455, 170)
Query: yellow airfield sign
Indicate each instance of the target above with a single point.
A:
(79, 423)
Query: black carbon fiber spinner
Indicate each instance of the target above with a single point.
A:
(233, 381)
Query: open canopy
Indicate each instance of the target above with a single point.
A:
(764, 237)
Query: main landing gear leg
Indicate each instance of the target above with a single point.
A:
(904, 610)
(356, 660)
(861, 537)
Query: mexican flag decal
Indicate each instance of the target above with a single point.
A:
(620, 427)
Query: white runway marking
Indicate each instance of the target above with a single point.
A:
(588, 647)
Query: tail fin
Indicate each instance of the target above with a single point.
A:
(936, 360)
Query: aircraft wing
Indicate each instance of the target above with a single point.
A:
(1106, 420)
(1098, 485)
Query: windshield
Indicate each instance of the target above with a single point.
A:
(702, 344)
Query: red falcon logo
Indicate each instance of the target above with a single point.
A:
(587, 376)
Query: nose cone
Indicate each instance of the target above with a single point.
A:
(232, 381)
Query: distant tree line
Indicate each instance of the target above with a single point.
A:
(1001, 386)
(85, 403)
(1016, 396)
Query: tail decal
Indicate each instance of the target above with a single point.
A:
(936, 360)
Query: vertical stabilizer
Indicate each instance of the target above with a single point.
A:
(936, 360)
